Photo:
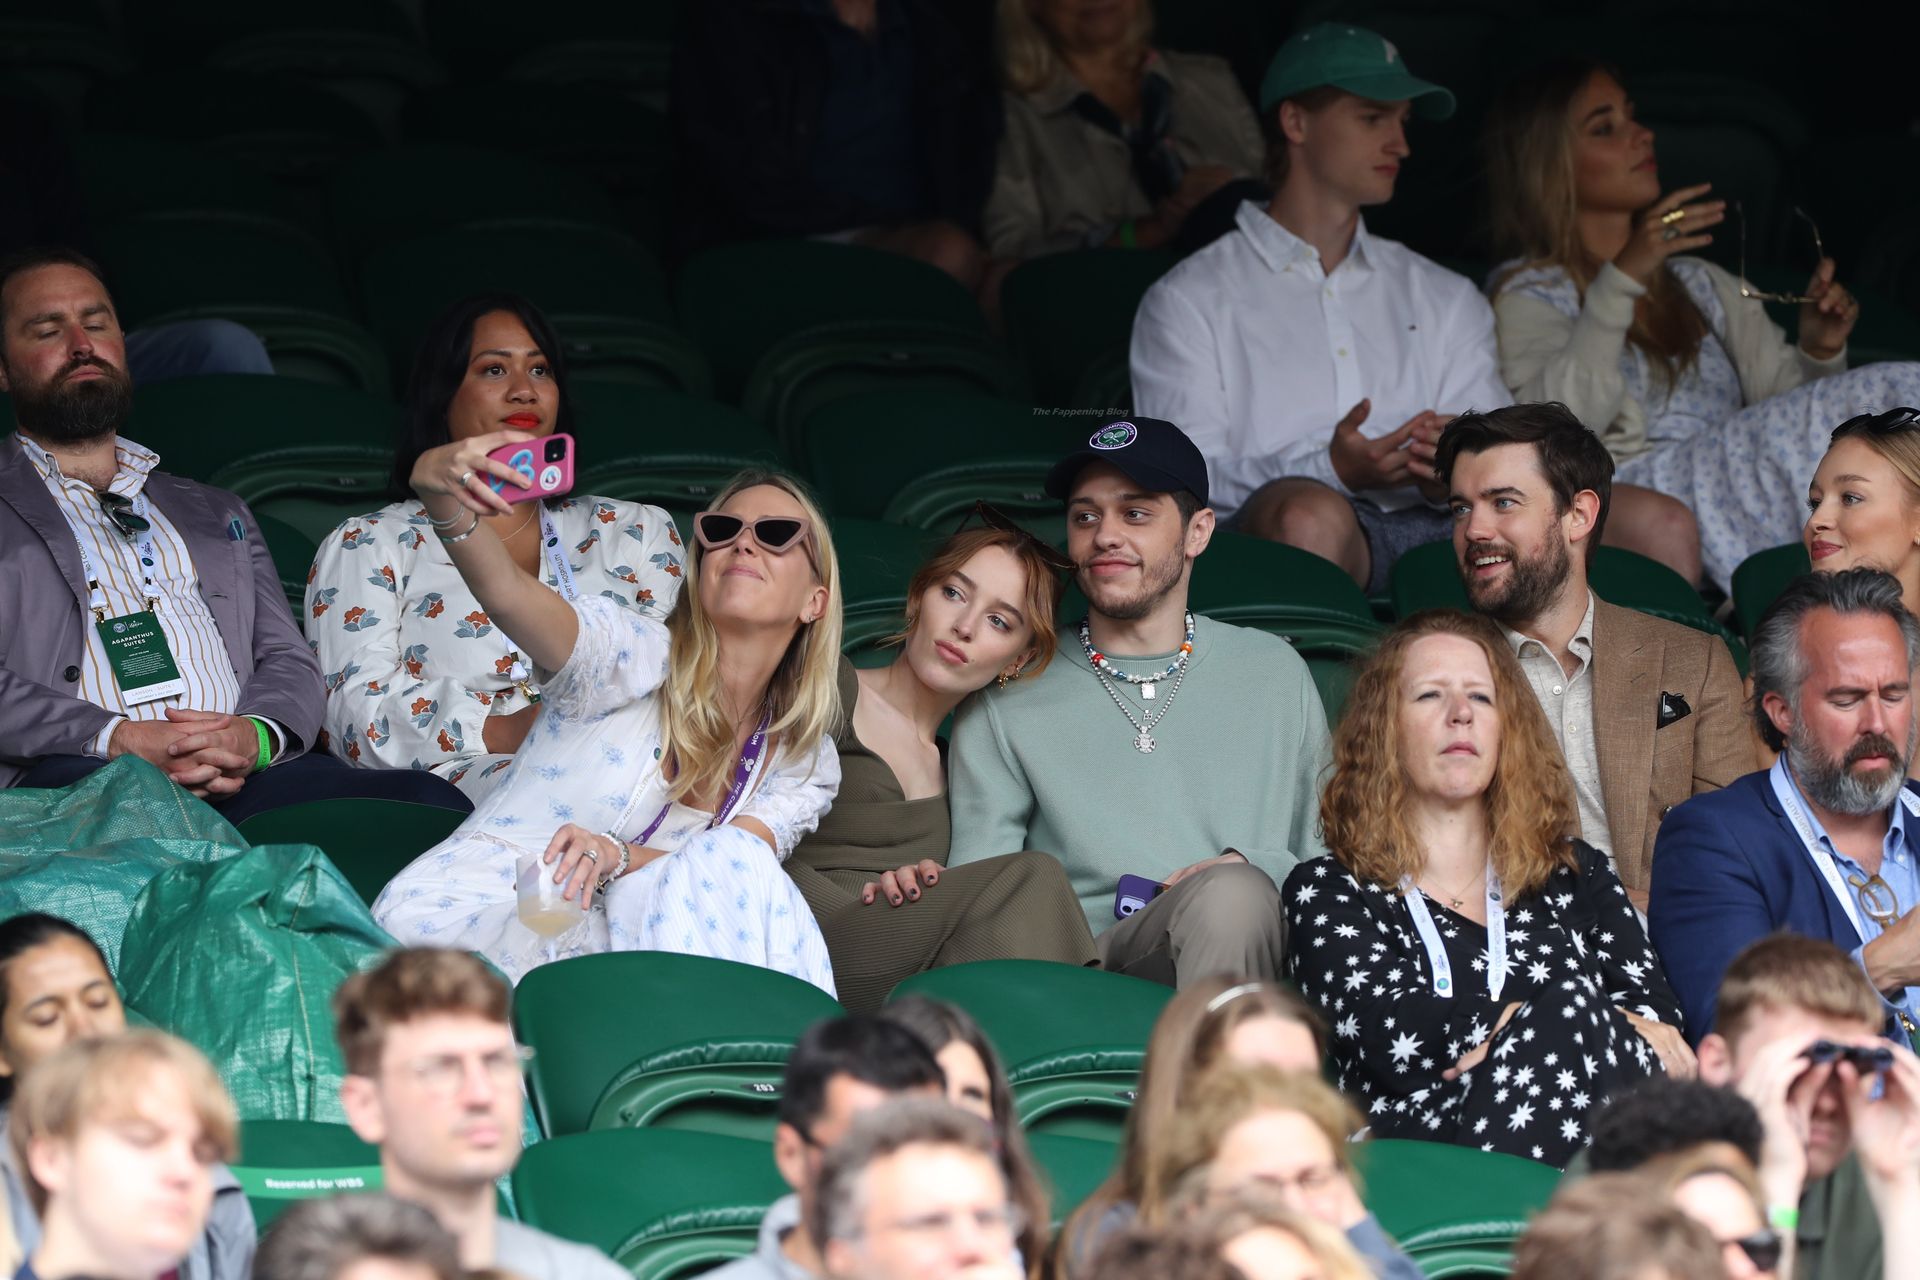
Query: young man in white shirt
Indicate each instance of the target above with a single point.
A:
(434, 1082)
(1316, 364)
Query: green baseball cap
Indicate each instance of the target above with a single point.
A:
(1350, 58)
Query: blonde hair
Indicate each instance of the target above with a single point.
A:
(91, 1080)
(1187, 1039)
(803, 697)
(411, 982)
(1028, 59)
(1250, 1209)
(1529, 141)
(1611, 1226)
(1230, 1095)
(1363, 810)
(1900, 448)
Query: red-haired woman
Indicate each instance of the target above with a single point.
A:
(1487, 981)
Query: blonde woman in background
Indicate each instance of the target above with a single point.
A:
(1694, 390)
(673, 767)
(1108, 141)
(1863, 506)
(1266, 1240)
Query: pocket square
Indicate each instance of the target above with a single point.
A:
(1672, 707)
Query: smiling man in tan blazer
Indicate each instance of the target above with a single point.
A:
(1648, 712)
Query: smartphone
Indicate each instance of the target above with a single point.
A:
(545, 466)
(1134, 893)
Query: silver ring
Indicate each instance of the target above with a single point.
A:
(1671, 233)
(464, 477)
(590, 856)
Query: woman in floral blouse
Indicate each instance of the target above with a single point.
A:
(418, 676)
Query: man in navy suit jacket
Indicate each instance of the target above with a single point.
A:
(1827, 842)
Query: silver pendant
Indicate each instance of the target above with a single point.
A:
(1143, 743)
(1146, 690)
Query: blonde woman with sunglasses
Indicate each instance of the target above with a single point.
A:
(675, 765)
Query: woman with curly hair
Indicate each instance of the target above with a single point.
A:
(1455, 921)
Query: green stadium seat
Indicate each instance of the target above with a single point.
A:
(370, 841)
(274, 125)
(402, 193)
(1072, 1167)
(315, 516)
(665, 447)
(1455, 1210)
(270, 438)
(877, 561)
(632, 1039)
(293, 553)
(663, 1203)
(285, 1161)
(621, 46)
(922, 457)
(272, 277)
(1072, 1039)
(54, 56)
(124, 175)
(606, 299)
(1761, 577)
(798, 285)
(1069, 318)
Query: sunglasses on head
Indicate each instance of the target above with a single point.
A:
(999, 521)
(777, 534)
(1878, 424)
(119, 509)
(1763, 1248)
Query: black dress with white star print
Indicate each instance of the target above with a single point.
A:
(1576, 955)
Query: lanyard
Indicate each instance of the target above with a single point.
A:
(749, 760)
(1789, 796)
(1437, 960)
(96, 596)
(519, 672)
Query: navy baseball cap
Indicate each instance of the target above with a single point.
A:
(1152, 453)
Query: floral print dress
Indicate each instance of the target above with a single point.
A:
(593, 758)
(1576, 956)
(413, 664)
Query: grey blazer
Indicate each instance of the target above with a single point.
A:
(43, 616)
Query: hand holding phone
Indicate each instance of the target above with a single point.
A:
(1133, 894)
(545, 466)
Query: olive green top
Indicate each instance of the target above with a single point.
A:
(872, 826)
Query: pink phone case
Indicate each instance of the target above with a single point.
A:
(545, 466)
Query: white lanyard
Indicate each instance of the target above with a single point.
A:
(1437, 960)
(96, 596)
(1823, 861)
(520, 673)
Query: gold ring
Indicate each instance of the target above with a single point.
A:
(1672, 216)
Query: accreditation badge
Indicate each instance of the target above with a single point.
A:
(137, 652)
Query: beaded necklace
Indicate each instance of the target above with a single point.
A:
(1143, 739)
(1099, 661)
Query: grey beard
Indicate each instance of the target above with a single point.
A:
(1832, 785)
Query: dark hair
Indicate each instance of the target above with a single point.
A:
(1278, 159)
(1776, 658)
(21, 261)
(323, 1239)
(839, 1196)
(440, 365)
(1139, 1254)
(22, 933)
(1663, 1115)
(1571, 457)
(870, 1049)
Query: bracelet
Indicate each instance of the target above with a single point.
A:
(266, 744)
(1785, 1216)
(620, 867)
(449, 522)
(1127, 240)
(461, 536)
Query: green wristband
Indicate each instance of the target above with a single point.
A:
(266, 744)
(1126, 235)
(1785, 1216)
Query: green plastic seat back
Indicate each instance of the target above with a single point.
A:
(1456, 1210)
(1073, 1168)
(1761, 577)
(167, 263)
(796, 285)
(591, 1018)
(646, 444)
(1067, 314)
(123, 175)
(1072, 1039)
(619, 46)
(920, 457)
(664, 1203)
(293, 553)
(369, 840)
(315, 515)
(275, 125)
(284, 1161)
(877, 562)
(265, 437)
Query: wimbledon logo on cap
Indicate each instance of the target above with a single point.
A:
(1117, 436)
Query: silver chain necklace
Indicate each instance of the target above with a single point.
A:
(1143, 737)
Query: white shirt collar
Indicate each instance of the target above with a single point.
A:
(1279, 248)
(135, 463)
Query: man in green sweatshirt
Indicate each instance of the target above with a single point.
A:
(1157, 745)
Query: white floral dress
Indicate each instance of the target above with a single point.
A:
(413, 664)
(593, 758)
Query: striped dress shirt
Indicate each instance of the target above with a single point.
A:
(192, 634)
